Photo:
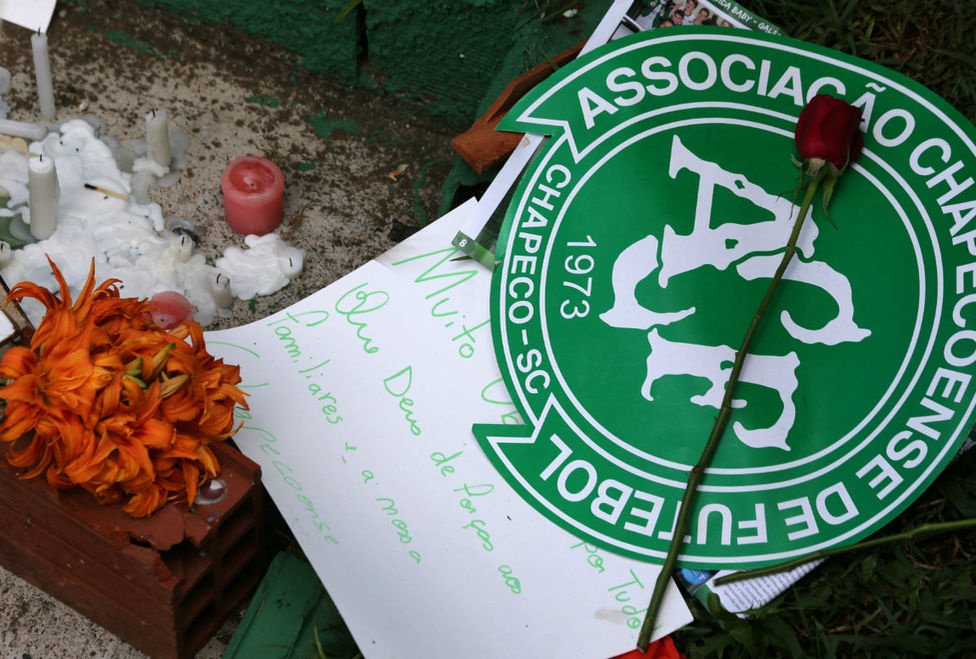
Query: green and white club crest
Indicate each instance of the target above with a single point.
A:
(635, 251)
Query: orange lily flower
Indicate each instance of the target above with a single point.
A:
(106, 400)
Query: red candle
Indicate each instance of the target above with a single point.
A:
(254, 191)
(169, 309)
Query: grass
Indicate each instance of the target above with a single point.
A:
(910, 599)
(932, 42)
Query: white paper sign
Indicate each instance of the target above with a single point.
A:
(35, 15)
(362, 399)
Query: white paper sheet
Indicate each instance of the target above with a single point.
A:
(362, 399)
(35, 15)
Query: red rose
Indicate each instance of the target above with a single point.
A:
(829, 129)
(662, 648)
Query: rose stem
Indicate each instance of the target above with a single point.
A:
(721, 421)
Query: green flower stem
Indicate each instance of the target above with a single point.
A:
(919, 531)
(721, 421)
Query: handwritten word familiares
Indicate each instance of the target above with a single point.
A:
(284, 329)
(329, 404)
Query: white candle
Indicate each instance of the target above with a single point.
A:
(140, 186)
(220, 289)
(42, 73)
(6, 254)
(20, 129)
(43, 193)
(183, 245)
(4, 89)
(157, 137)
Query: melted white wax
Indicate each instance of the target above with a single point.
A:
(126, 239)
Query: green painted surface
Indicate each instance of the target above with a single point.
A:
(449, 59)
(439, 55)
(127, 40)
(324, 128)
(303, 26)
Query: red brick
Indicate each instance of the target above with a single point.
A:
(163, 584)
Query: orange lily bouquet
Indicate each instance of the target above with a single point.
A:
(105, 399)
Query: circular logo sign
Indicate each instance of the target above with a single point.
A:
(635, 252)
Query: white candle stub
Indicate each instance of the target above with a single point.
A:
(4, 89)
(42, 73)
(183, 247)
(221, 290)
(157, 138)
(42, 182)
(6, 253)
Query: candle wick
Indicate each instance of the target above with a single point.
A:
(290, 264)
